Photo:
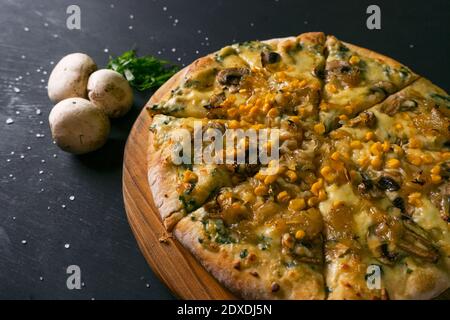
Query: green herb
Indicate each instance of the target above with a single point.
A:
(264, 242)
(243, 254)
(144, 72)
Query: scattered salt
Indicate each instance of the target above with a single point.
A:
(9, 121)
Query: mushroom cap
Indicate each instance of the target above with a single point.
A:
(78, 126)
(111, 92)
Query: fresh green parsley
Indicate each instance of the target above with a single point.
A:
(146, 72)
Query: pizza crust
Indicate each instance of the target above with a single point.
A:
(162, 178)
(242, 283)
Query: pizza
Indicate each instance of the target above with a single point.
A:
(356, 203)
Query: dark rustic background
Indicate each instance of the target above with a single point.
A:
(42, 231)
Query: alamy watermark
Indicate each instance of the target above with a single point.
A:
(232, 146)
(373, 277)
(74, 280)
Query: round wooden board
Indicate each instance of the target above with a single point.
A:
(171, 262)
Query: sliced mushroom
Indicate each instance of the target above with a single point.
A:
(441, 200)
(269, 57)
(399, 203)
(343, 71)
(393, 238)
(398, 104)
(388, 184)
(366, 119)
(383, 87)
(231, 77)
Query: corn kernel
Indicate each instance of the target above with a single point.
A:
(356, 144)
(376, 162)
(283, 196)
(270, 179)
(335, 156)
(317, 186)
(414, 199)
(386, 146)
(322, 195)
(393, 163)
(435, 178)
(445, 155)
(313, 201)
(398, 126)
(297, 204)
(261, 190)
(260, 176)
(232, 112)
(427, 159)
(319, 128)
(397, 149)
(354, 60)
(348, 110)
(343, 117)
(300, 234)
(190, 177)
(369, 136)
(414, 143)
(291, 175)
(337, 203)
(436, 170)
(254, 111)
(272, 113)
(363, 161)
(233, 124)
(331, 88)
(414, 159)
(295, 119)
(376, 148)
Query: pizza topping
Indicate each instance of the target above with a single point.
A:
(366, 119)
(274, 287)
(383, 87)
(399, 203)
(269, 58)
(231, 77)
(342, 71)
(388, 184)
(388, 239)
(397, 105)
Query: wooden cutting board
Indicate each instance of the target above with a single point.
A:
(171, 262)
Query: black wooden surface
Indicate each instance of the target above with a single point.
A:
(37, 217)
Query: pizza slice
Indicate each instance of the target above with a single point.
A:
(190, 159)
(374, 252)
(356, 79)
(386, 211)
(254, 82)
(263, 237)
(417, 116)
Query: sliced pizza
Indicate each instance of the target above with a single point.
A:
(263, 237)
(255, 82)
(356, 79)
(190, 159)
(417, 116)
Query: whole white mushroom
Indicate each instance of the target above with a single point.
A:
(70, 76)
(78, 126)
(111, 92)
